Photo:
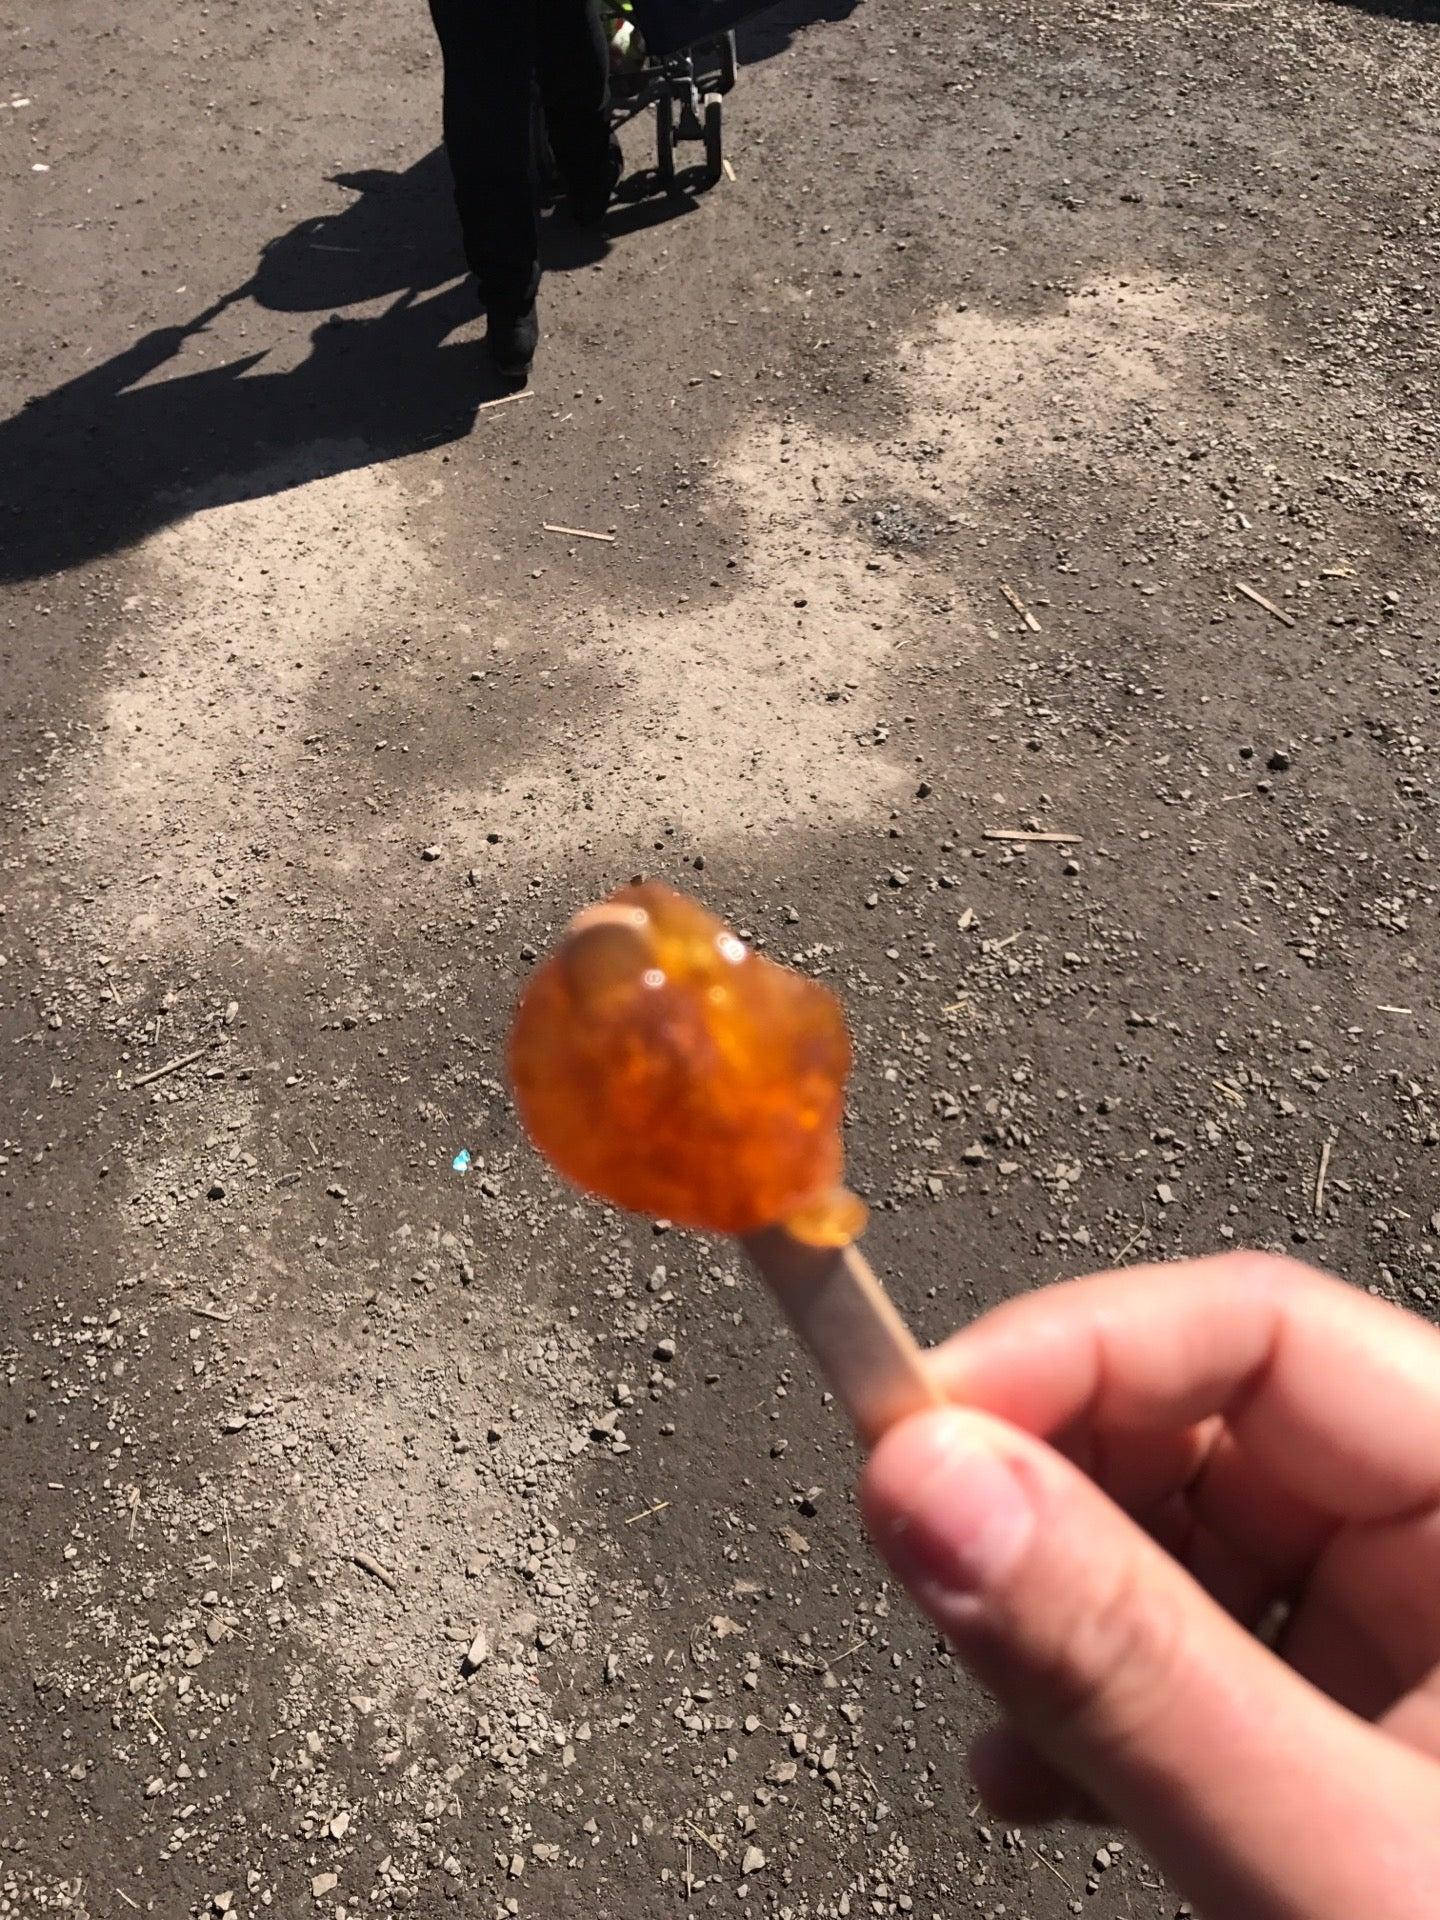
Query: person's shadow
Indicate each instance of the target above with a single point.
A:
(102, 461)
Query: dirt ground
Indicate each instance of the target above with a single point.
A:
(936, 447)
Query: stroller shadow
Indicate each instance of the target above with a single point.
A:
(777, 28)
(116, 453)
(1414, 13)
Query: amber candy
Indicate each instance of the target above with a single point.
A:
(661, 1064)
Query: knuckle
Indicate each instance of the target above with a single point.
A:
(1114, 1673)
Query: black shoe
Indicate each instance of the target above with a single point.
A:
(588, 204)
(512, 339)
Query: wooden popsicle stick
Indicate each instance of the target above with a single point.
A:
(832, 1299)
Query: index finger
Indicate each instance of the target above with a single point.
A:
(1335, 1393)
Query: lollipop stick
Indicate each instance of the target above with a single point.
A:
(844, 1316)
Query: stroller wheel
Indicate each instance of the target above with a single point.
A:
(714, 147)
(665, 140)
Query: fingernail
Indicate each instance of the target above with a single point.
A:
(962, 1517)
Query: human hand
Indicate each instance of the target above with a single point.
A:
(1225, 1437)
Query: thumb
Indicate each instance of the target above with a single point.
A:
(1244, 1781)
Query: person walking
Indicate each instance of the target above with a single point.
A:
(498, 55)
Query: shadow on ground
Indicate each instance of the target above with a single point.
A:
(116, 453)
(773, 31)
(1415, 13)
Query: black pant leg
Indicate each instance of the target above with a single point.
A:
(574, 64)
(489, 49)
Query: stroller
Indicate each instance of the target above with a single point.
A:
(677, 56)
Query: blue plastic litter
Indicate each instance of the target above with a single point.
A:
(461, 1162)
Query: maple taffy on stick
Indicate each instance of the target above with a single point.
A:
(664, 1066)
